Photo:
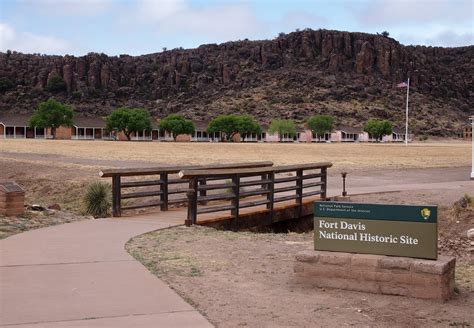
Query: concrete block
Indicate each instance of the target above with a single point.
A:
(399, 263)
(365, 260)
(443, 264)
(334, 258)
(307, 256)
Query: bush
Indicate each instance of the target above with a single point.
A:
(5, 84)
(56, 84)
(98, 200)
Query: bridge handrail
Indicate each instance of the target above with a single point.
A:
(267, 182)
(163, 182)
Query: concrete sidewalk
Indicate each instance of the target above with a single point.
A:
(80, 275)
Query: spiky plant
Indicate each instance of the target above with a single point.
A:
(98, 199)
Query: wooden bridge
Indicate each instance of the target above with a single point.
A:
(231, 196)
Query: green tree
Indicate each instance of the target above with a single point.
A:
(176, 124)
(246, 124)
(232, 124)
(128, 121)
(56, 84)
(52, 114)
(320, 124)
(378, 128)
(282, 127)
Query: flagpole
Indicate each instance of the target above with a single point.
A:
(406, 116)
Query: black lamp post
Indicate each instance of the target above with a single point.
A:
(344, 192)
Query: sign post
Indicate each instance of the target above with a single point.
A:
(399, 230)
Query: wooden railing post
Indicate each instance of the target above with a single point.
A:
(203, 193)
(299, 191)
(235, 201)
(116, 196)
(192, 202)
(270, 196)
(324, 180)
(264, 177)
(164, 190)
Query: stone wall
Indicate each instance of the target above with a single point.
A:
(377, 274)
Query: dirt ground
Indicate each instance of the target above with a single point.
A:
(247, 279)
(57, 171)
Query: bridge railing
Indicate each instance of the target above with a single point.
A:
(159, 186)
(244, 188)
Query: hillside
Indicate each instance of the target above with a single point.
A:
(349, 75)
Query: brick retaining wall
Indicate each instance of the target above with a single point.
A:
(377, 274)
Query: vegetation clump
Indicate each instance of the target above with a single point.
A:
(128, 121)
(98, 200)
(320, 124)
(282, 127)
(378, 128)
(56, 84)
(176, 124)
(52, 114)
(231, 125)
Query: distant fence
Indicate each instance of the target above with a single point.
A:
(163, 178)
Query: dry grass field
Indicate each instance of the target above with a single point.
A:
(57, 171)
(343, 155)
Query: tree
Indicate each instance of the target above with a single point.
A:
(52, 114)
(176, 125)
(378, 128)
(232, 124)
(128, 121)
(282, 127)
(246, 124)
(320, 124)
(385, 34)
(56, 84)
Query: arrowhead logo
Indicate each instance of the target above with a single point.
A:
(425, 213)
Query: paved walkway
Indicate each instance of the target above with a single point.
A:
(80, 275)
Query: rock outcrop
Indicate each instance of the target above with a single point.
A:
(349, 75)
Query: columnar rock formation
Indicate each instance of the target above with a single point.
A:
(349, 75)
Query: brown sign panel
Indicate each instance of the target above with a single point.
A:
(399, 230)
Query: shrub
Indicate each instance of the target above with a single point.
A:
(5, 84)
(98, 200)
(56, 84)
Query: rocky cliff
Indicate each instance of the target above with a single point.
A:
(351, 76)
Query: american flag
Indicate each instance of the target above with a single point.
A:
(402, 85)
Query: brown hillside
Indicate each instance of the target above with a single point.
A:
(349, 75)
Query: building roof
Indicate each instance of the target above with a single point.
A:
(398, 130)
(201, 125)
(88, 122)
(14, 120)
(348, 129)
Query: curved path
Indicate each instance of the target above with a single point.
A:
(80, 275)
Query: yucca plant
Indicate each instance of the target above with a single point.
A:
(98, 199)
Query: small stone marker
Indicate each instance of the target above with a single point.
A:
(12, 199)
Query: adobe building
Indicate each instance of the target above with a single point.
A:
(17, 127)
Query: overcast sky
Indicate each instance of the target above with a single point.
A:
(137, 27)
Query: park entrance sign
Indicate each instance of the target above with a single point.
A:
(399, 230)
